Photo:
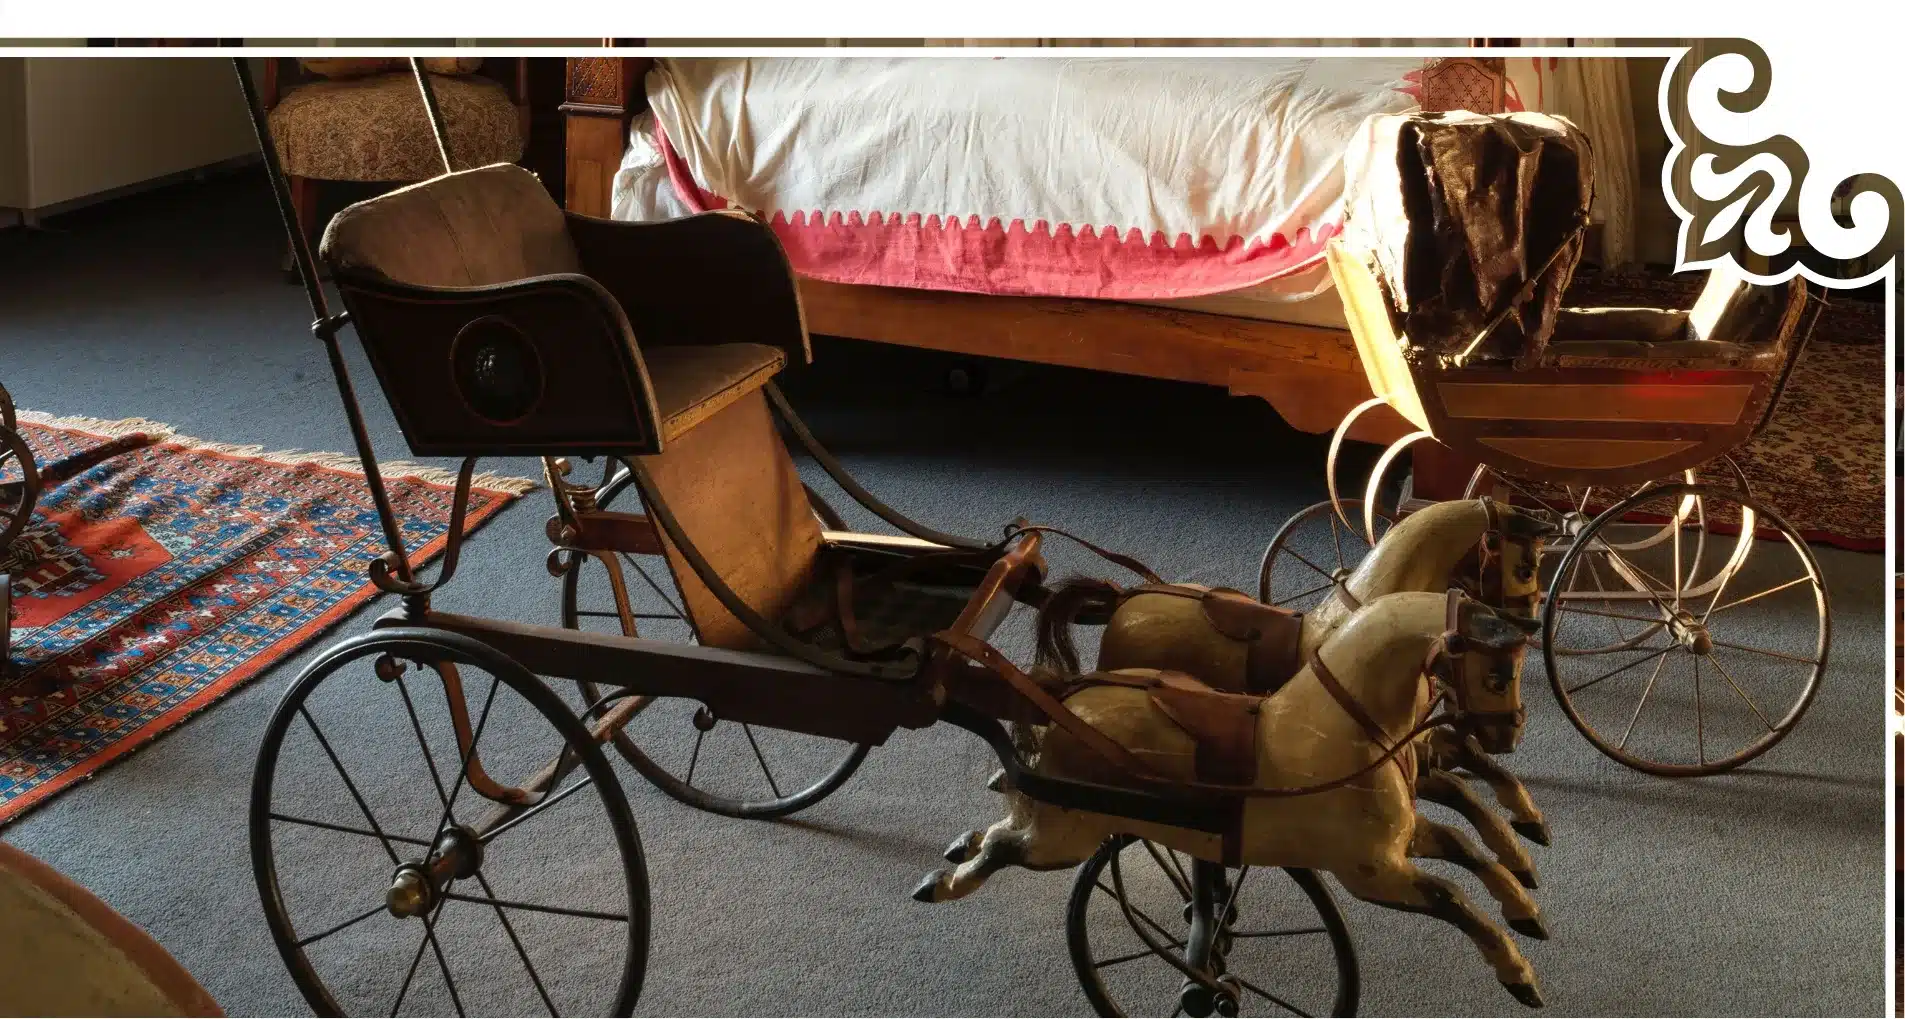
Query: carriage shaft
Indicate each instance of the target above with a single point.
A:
(756, 688)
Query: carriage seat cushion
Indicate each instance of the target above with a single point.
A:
(495, 224)
(374, 128)
(693, 383)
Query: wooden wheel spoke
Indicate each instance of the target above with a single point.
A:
(1171, 870)
(694, 756)
(430, 935)
(1305, 560)
(1730, 681)
(334, 928)
(586, 914)
(544, 804)
(463, 772)
(375, 828)
(1267, 996)
(1763, 651)
(423, 744)
(1115, 960)
(748, 731)
(1617, 671)
(1737, 602)
(1305, 594)
(1635, 718)
(347, 829)
(1131, 910)
(522, 954)
(415, 959)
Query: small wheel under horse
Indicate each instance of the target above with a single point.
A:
(1154, 932)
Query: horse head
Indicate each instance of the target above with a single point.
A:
(1480, 668)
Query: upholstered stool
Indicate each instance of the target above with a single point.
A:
(339, 124)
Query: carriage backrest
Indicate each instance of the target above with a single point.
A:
(467, 293)
(495, 224)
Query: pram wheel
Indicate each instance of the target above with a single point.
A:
(19, 484)
(1265, 941)
(385, 828)
(1686, 629)
(709, 763)
(1311, 551)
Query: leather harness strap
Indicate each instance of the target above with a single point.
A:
(1106, 554)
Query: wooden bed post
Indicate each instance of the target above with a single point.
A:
(600, 95)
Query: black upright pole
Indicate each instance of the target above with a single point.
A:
(325, 326)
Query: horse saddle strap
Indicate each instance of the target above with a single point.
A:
(1223, 725)
(1273, 634)
(1062, 716)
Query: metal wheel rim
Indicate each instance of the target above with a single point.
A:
(16, 511)
(1766, 520)
(437, 645)
(1087, 969)
(658, 774)
(1280, 547)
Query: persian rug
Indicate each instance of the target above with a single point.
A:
(162, 572)
(1820, 463)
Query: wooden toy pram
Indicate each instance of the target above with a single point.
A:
(1618, 420)
(19, 493)
(499, 326)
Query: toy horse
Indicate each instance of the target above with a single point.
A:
(1345, 710)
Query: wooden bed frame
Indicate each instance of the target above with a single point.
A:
(1310, 374)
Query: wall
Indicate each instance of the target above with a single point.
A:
(92, 125)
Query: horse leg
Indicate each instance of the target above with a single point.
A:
(965, 847)
(1438, 786)
(1433, 841)
(1407, 887)
(1450, 752)
(1037, 838)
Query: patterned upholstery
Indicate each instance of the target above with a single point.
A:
(375, 128)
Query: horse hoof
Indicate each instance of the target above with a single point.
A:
(1530, 927)
(928, 890)
(1533, 831)
(1526, 877)
(997, 782)
(1527, 994)
(963, 847)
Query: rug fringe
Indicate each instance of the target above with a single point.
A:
(103, 427)
(346, 462)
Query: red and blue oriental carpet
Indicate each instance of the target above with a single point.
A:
(159, 573)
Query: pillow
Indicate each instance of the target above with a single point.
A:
(357, 67)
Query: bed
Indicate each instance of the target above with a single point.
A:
(1029, 208)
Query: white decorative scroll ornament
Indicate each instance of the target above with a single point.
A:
(1728, 175)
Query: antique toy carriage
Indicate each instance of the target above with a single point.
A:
(1616, 420)
(497, 325)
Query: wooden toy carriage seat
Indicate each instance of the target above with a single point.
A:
(497, 324)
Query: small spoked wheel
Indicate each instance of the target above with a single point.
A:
(1154, 932)
(1312, 552)
(433, 831)
(19, 484)
(716, 765)
(1686, 629)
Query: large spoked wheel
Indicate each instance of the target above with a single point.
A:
(1153, 932)
(1680, 657)
(416, 795)
(19, 485)
(722, 767)
(1312, 552)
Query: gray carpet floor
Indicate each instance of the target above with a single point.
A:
(1760, 892)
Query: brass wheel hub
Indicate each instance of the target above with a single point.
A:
(418, 885)
(1690, 632)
